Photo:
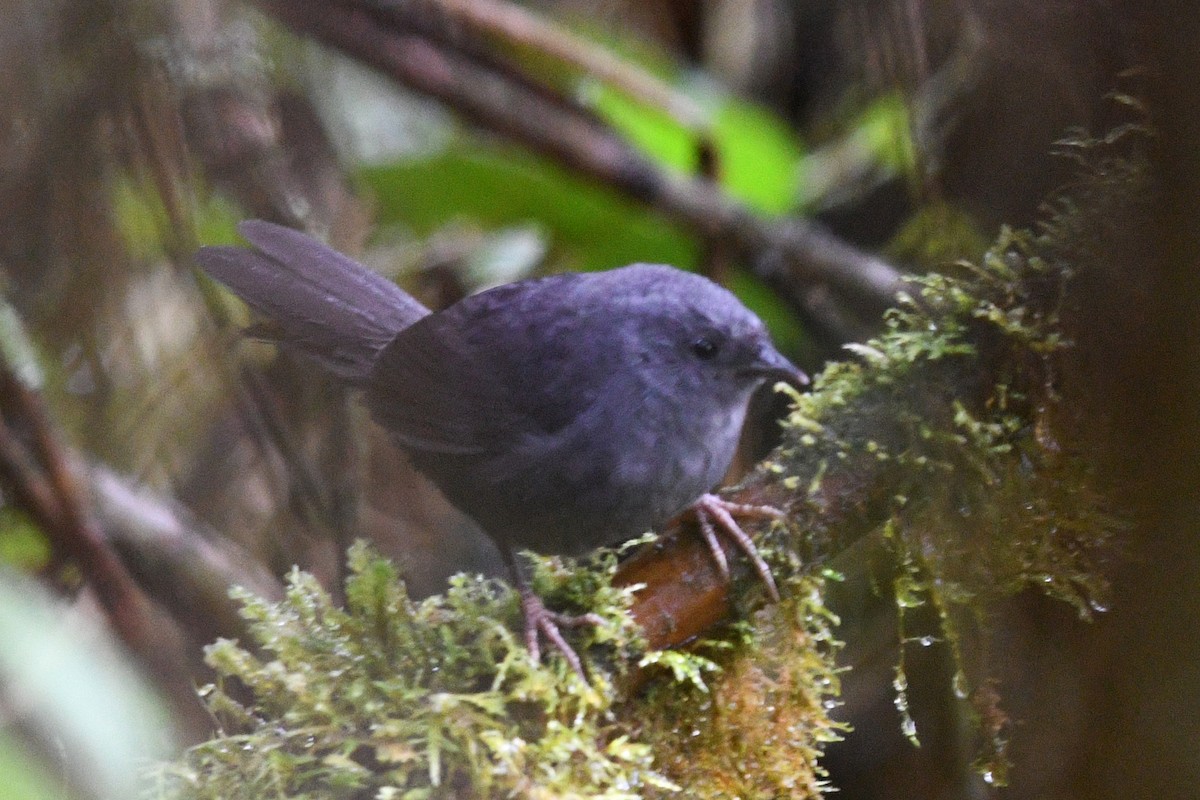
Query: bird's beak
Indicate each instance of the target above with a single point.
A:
(772, 366)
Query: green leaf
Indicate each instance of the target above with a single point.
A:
(592, 226)
(21, 776)
(652, 131)
(758, 156)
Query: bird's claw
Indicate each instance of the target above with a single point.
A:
(541, 621)
(714, 513)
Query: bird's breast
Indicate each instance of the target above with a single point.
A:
(676, 455)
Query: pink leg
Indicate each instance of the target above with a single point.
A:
(714, 513)
(543, 621)
(540, 620)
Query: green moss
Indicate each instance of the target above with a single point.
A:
(394, 698)
(758, 726)
(956, 404)
(440, 699)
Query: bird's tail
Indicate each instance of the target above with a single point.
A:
(322, 303)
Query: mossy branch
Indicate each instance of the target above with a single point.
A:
(936, 434)
(946, 433)
(948, 413)
(440, 699)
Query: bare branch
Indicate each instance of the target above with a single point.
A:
(518, 24)
(793, 255)
(685, 594)
(187, 571)
(47, 490)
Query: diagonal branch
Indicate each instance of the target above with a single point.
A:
(684, 594)
(518, 24)
(34, 463)
(793, 255)
(41, 480)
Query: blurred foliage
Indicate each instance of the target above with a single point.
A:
(23, 777)
(870, 147)
(22, 545)
(884, 126)
(142, 219)
(937, 234)
(79, 698)
(494, 185)
(758, 157)
(590, 227)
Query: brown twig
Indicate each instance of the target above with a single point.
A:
(39, 471)
(44, 486)
(521, 26)
(791, 254)
(685, 594)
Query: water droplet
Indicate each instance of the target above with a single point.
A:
(960, 685)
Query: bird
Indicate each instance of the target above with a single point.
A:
(561, 413)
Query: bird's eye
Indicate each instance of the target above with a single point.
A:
(704, 348)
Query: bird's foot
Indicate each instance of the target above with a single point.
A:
(541, 621)
(715, 514)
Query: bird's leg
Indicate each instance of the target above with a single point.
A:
(540, 620)
(714, 545)
(714, 514)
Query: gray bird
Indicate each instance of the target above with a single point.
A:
(560, 413)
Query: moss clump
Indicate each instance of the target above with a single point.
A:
(757, 728)
(390, 698)
(394, 698)
(948, 427)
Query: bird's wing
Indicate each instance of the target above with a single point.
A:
(518, 361)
